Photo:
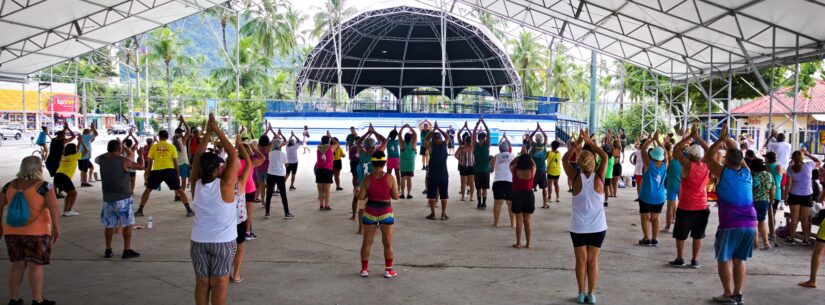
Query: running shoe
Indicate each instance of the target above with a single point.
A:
(139, 213)
(127, 254)
(591, 299)
(85, 185)
(365, 273)
(644, 242)
(327, 208)
(177, 198)
(695, 264)
(722, 299)
(677, 262)
(70, 213)
(287, 216)
(409, 196)
(339, 188)
(190, 213)
(108, 253)
(251, 236)
(266, 216)
(292, 188)
(390, 273)
(16, 302)
(44, 302)
(654, 243)
(740, 300)
(581, 298)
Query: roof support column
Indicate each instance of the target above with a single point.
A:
(592, 117)
(443, 54)
(25, 113)
(796, 138)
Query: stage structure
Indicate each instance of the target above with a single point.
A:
(404, 48)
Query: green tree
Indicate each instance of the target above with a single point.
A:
(330, 14)
(166, 47)
(225, 16)
(631, 121)
(492, 23)
(528, 58)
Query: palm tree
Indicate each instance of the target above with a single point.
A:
(224, 14)
(332, 13)
(492, 23)
(528, 57)
(271, 26)
(167, 48)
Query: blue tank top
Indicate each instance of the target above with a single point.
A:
(653, 184)
(736, 199)
(777, 180)
(674, 174)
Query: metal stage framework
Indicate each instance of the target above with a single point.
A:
(687, 42)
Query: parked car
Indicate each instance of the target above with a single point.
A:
(148, 131)
(14, 126)
(10, 133)
(118, 129)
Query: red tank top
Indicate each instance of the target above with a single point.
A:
(522, 184)
(379, 190)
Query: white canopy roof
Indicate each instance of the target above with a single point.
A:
(35, 34)
(678, 38)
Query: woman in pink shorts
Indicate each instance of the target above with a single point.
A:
(394, 156)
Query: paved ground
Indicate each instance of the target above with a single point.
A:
(313, 259)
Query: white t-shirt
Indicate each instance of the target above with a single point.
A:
(640, 165)
(277, 159)
(292, 153)
(215, 220)
(502, 167)
(782, 151)
(183, 154)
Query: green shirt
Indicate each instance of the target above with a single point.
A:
(392, 149)
(539, 155)
(609, 171)
(762, 183)
(408, 157)
(365, 162)
(482, 156)
(424, 134)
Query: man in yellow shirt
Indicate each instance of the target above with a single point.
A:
(163, 161)
(553, 169)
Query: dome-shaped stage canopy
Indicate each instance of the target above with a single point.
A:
(399, 49)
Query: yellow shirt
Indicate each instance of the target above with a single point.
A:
(68, 164)
(553, 163)
(337, 154)
(163, 155)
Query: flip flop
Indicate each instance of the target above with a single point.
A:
(236, 280)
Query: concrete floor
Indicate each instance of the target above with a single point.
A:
(314, 258)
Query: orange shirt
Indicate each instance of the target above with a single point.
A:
(40, 221)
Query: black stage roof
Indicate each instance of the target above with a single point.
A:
(399, 49)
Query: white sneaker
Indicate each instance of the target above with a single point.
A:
(70, 213)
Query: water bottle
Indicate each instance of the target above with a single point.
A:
(149, 222)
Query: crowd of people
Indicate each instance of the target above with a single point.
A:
(228, 177)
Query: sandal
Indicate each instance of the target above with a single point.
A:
(545, 206)
(431, 217)
(445, 217)
(233, 280)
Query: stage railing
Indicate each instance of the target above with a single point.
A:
(457, 107)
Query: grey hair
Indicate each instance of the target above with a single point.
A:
(369, 143)
(31, 168)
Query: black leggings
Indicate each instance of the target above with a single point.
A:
(271, 180)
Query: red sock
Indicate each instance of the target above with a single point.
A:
(388, 262)
(364, 265)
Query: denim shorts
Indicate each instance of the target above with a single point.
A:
(734, 243)
(117, 213)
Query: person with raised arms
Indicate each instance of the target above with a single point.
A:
(292, 146)
(366, 147)
(652, 193)
(481, 169)
(408, 150)
(538, 151)
(393, 155)
(737, 218)
(503, 181)
(424, 130)
(214, 228)
(588, 224)
(437, 176)
(692, 212)
(466, 163)
(261, 172)
(276, 176)
(323, 170)
(85, 164)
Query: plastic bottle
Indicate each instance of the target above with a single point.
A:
(149, 222)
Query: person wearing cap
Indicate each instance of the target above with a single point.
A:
(481, 169)
(737, 218)
(408, 148)
(502, 180)
(276, 176)
(377, 189)
(424, 130)
(179, 140)
(538, 151)
(692, 212)
(652, 193)
(437, 176)
(215, 226)
(588, 223)
(366, 147)
(163, 161)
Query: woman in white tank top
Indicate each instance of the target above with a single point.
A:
(588, 224)
(214, 229)
(502, 181)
